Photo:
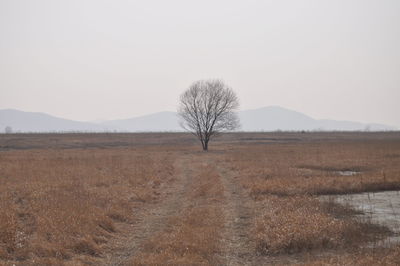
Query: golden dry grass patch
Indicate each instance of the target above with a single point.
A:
(58, 205)
(193, 235)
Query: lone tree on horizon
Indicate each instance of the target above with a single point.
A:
(207, 108)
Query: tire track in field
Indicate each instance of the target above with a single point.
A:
(193, 235)
(153, 220)
(239, 213)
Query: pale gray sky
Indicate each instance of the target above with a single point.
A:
(91, 59)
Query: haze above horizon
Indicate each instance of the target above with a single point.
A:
(89, 60)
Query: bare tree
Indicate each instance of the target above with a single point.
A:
(8, 130)
(207, 108)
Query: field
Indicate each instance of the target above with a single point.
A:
(157, 198)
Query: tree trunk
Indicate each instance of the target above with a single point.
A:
(205, 146)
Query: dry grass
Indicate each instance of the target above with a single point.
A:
(300, 223)
(192, 239)
(64, 197)
(282, 180)
(292, 169)
(193, 236)
(389, 256)
(63, 204)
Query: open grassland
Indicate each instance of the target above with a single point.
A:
(57, 204)
(314, 168)
(138, 199)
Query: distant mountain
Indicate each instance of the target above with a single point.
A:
(270, 118)
(21, 121)
(163, 121)
(326, 124)
(277, 118)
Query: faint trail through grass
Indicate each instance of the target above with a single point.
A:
(153, 220)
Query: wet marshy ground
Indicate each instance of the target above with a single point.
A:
(381, 208)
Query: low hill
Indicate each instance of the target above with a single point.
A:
(21, 121)
(277, 118)
(270, 118)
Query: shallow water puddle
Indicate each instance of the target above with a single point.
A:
(380, 208)
(330, 170)
(347, 173)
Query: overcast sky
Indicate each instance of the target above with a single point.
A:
(93, 59)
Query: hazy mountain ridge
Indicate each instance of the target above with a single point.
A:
(270, 118)
(21, 121)
(274, 118)
(162, 121)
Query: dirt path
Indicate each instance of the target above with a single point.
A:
(151, 220)
(238, 212)
(236, 206)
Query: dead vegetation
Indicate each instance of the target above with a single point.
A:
(285, 179)
(70, 201)
(297, 169)
(59, 205)
(379, 256)
(300, 223)
(193, 235)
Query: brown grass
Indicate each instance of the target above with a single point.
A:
(292, 169)
(282, 180)
(299, 223)
(379, 256)
(64, 197)
(62, 204)
(192, 237)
